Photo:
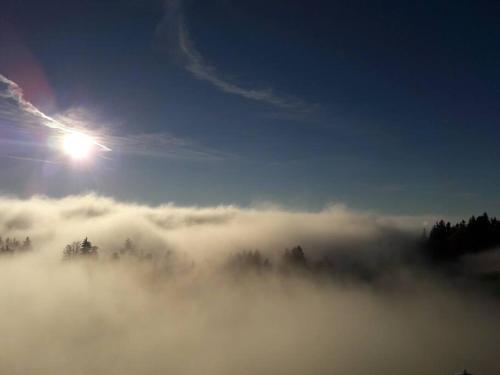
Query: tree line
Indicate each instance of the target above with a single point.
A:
(85, 249)
(445, 242)
(448, 242)
(12, 245)
(80, 249)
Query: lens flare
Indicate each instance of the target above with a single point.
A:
(77, 145)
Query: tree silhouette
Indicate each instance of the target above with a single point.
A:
(12, 245)
(448, 242)
(248, 261)
(80, 249)
(129, 248)
(26, 244)
(71, 250)
(295, 256)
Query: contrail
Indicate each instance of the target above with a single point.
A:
(30, 159)
(13, 91)
(174, 31)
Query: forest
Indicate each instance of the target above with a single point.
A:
(445, 245)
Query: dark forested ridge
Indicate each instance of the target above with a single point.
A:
(448, 242)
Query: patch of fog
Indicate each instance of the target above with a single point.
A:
(185, 315)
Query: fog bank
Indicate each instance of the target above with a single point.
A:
(126, 317)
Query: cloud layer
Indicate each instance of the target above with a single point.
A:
(203, 232)
(131, 317)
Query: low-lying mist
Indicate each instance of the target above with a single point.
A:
(182, 305)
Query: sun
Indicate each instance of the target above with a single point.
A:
(77, 145)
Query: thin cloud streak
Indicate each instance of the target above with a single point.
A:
(30, 159)
(174, 31)
(14, 95)
(20, 112)
(164, 145)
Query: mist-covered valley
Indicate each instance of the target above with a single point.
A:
(226, 290)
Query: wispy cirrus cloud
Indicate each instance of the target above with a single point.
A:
(19, 113)
(164, 145)
(14, 107)
(174, 33)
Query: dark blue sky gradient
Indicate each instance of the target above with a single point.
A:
(403, 99)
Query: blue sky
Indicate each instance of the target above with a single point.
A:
(391, 106)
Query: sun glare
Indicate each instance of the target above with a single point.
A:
(77, 145)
